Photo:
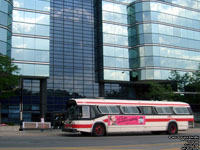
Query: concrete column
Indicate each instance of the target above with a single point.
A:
(131, 92)
(43, 98)
(101, 89)
(0, 112)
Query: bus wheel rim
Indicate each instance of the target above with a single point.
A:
(99, 130)
(173, 129)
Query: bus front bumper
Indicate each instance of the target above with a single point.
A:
(69, 130)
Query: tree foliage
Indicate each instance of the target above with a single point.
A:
(159, 92)
(179, 81)
(188, 85)
(8, 80)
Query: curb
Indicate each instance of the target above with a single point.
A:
(9, 128)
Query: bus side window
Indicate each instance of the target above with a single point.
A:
(92, 113)
(190, 110)
(85, 112)
(163, 110)
(130, 110)
(181, 110)
(147, 110)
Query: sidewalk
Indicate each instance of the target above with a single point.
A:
(31, 132)
(197, 125)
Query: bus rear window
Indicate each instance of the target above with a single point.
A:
(108, 109)
(163, 110)
(181, 110)
(130, 110)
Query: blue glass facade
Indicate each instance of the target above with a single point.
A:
(72, 56)
(167, 37)
(30, 37)
(5, 26)
(146, 40)
(116, 65)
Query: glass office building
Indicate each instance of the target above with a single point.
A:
(116, 49)
(91, 48)
(72, 56)
(168, 37)
(146, 40)
(69, 55)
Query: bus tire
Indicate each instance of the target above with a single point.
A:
(98, 130)
(172, 128)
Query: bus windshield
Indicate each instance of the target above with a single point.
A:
(75, 112)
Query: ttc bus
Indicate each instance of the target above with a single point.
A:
(100, 116)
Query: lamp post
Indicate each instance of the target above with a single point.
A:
(0, 111)
(126, 75)
(21, 104)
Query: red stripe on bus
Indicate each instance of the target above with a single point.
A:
(133, 103)
(147, 120)
(78, 126)
(185, 119)
(165, 120)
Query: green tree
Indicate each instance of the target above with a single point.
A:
(195, 80)
(159, 92)
(8, 81)
(179, 81)
(187, 86)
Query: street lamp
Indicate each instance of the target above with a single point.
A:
(21, 104)
(126, 75)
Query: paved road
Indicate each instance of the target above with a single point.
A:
(36, 140)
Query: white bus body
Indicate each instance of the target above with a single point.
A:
(101, 116)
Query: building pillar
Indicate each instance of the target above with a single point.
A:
(101, 89)
(131, 92)
(43, 98)
(0, 112)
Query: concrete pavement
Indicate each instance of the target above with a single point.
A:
(59, 132)
(58, 140)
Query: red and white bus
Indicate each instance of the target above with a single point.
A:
(103, 116)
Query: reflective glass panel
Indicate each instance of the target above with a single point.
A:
(42, 44)
(42, 5)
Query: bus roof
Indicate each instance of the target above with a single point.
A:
(86, 101)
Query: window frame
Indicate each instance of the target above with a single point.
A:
(174, 109)
(86, 113)
(109, 110)
(152, 110)
(139, 111)
(163, 113)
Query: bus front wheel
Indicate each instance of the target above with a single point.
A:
(99, 130)
(172, 128)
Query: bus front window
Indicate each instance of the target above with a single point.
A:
(73, 112)
(78, 112)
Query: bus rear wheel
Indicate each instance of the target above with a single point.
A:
(172, 128)
(98, 130)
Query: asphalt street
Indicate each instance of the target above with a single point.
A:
(57, 140)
